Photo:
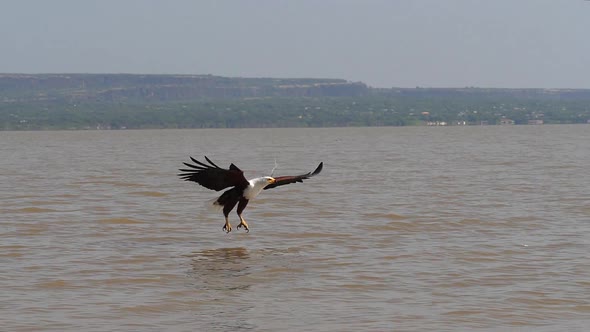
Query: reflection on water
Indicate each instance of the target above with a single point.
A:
(220, 276)
(410, 229)
(222, 269)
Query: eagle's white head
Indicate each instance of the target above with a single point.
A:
(270, 179)
(256, 185)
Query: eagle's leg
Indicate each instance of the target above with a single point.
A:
(241, 206)
(227, 226)
(244, 224)
(229, 205)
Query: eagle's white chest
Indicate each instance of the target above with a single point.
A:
(255, 187)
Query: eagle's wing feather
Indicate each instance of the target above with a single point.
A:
(212, 176)
(283, 180)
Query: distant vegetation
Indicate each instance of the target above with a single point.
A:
(120, 101)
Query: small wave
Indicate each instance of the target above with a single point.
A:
(464, 312)
(24, 196)
(12, 247)
(472, 222)
(112, 183)
(161, 239)
(134, 260)
(272, 214)
(284, 269)
(363, 287)
(238, 252)
(582, 308)
(45, 203)
(312, 235)
(120, 221)
(406, 226)
(148, 193)
(477, 258)
(388, 216)
(10, 254)
(147, 309)
(55, 284)
(100, 177)
(131, 281)
(125, 184)
(546, 301)
(35, 210)
(66, 196)
(396, 257)
(524, 218)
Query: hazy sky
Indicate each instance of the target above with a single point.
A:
(384, 43)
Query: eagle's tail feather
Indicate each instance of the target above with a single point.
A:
(213, 205)
(230, 197)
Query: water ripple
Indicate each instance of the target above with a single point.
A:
(407, 229)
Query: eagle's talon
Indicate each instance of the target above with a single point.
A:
(243, 224)
(226, 228)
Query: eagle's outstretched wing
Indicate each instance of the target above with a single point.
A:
(212, 176)
(283, 180)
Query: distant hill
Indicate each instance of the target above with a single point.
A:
(163, 88)
(128, 101)
(487, 93)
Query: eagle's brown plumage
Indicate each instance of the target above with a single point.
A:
(212, 176)
(283, 180)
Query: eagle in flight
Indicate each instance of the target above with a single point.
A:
(242, 190)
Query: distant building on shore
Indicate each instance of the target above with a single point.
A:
(436, 123)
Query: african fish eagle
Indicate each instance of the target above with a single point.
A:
(216, 178)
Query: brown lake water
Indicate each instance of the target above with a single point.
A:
(406, 229)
